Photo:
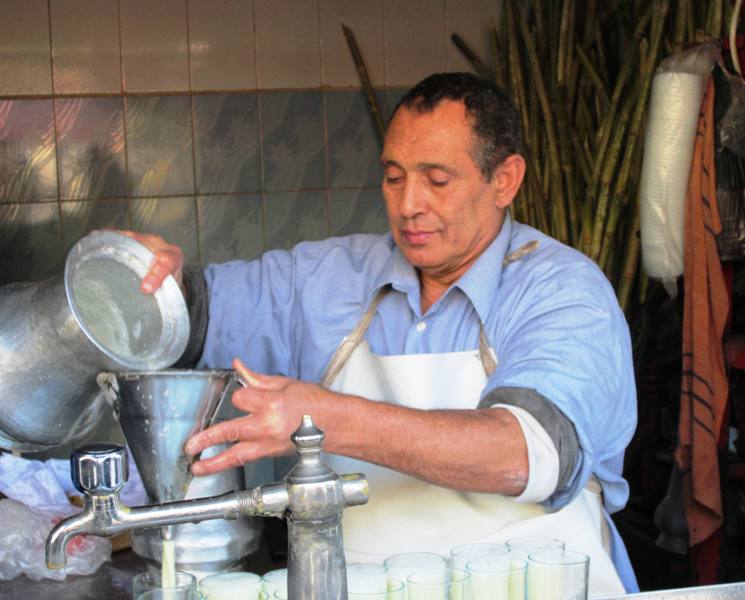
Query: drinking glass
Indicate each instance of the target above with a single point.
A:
(460, 555)
(400, 566)
(153, 580)
(438, 584)
(232, 585)
(274, 581)
(170, 594)
(557, 575)
(394, 590)
(523, 546)
(497, 577)
(367, 578)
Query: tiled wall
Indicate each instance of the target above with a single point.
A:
(227, 126)
(223, 175)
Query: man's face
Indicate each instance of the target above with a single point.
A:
(442, 211)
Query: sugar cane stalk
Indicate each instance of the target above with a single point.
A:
(559, 223)
(359, 64)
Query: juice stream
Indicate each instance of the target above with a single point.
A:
(168, 564)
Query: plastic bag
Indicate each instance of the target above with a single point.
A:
(23, 539)
(37, 500)
(677, 89)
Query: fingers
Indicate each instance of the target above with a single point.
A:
(249, 378)
(235, 456)
(165, 263)
(222, 433)
(168, 259)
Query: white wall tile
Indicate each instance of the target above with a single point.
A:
(85, 46)
(288, 50)
(365, 19)
(414, 39)
(25, 59)
(472, 20)
(154, 48)
(222, 44)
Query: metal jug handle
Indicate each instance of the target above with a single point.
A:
(110, 388)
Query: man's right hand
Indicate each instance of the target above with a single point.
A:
(168, 260)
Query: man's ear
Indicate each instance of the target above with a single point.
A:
(507, 179)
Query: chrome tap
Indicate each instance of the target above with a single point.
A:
(312, 498)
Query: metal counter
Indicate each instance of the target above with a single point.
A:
(728, 591)
(113, 581)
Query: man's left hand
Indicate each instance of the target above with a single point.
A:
(274, 405)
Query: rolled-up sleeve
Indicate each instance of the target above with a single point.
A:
(568, 341)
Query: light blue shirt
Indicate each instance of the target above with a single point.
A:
(551, 317)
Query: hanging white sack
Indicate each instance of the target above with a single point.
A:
(677, 90)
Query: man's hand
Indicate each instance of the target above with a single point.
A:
(274, 405)
(479, 450)
(168, 260)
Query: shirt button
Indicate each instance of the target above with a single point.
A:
(421, 326)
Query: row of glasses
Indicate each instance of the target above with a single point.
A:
(527, 568)
(532, 568)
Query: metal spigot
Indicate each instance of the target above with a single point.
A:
(312, 498)
(317, 497)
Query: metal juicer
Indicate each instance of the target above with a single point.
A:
(157, 417)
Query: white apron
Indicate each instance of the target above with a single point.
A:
(405, 514)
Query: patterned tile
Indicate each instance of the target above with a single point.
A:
(357, 211)
(159, 139)
(90, 147)
(28, 170)
(230, 227)
(292, 124)
(81, 217)
(294, 217)
(392, 98)
(226, 140)
(354, 144)
(30, 247)
(174, 219)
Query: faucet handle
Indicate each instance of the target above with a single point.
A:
(99, 469)
(307, 436)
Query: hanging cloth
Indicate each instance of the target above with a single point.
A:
(704, 387)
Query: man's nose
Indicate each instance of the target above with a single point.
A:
(412, 199)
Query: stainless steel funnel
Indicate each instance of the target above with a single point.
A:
(158, 411)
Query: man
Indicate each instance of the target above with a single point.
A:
(480, 369)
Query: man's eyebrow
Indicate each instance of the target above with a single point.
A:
(440, 166)
(387, 162)
(420, 167)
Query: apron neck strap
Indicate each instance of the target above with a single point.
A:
(350, 342)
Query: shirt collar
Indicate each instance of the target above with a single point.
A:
(399, 274)
(480, 283)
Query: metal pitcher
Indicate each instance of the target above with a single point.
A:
(56, 335)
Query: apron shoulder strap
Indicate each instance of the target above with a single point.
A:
(488, 360)
(351, 341)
